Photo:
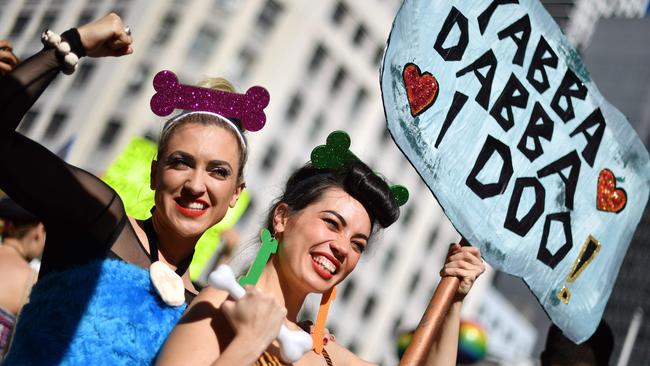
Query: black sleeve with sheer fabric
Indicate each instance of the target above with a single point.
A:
(83, 216)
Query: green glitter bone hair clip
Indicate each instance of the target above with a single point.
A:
(336, 153)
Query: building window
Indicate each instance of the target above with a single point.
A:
(316, 126)
(83, 74)
(227, 6)
(137, 79)
(20, 24)
(166, 29)
(348, 289)
(338, 81)
(379, 54)
(408, 214)
(269, 15)
(359, 99)
(56, 123)
(339, 14)
(48, 19)
(270, 157)
(432, 238)
(111, 130)
(245, 60)
(359, 35)
(204, 43)
(385, 135)
(396, 324)
(388, 260)
(86, 16)
(317, 59)
(28, 121)
(369, 306)
(414, 281)
(294, 107)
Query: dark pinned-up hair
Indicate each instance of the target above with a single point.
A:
(307, 184)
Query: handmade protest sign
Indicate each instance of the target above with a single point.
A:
(498, 115)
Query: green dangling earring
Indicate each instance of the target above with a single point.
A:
(268, 247)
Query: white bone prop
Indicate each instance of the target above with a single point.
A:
(293, 343)
(168, 284)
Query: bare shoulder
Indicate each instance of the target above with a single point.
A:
(15, 274)
(142, 236)
(343, 356)
(209, 299)
(200, 334)
(14, 264)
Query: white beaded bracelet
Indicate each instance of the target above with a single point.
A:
(63, 51)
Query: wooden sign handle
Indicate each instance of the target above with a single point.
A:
(429, 327)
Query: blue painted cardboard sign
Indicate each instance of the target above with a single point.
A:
(495, 110)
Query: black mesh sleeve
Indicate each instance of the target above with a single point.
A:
(20, 88)
(70, 201)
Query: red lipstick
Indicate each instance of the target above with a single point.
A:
(325, 274)
(192, 212)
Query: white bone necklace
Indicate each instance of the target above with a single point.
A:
(168, 283)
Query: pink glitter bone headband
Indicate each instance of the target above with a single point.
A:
(247, 108)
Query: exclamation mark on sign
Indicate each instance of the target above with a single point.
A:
(590, 248)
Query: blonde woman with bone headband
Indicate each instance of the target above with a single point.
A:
(315, 234)
(111, 287)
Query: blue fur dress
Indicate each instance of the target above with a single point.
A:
(106, 312)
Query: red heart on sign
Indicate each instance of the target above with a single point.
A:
(421, 88)
(608, 197)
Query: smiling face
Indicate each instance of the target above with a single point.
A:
(322, 243)
(195, 179)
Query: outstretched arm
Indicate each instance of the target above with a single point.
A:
(28, 170)
(21, 87)
(464, 263)
(59, 194)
